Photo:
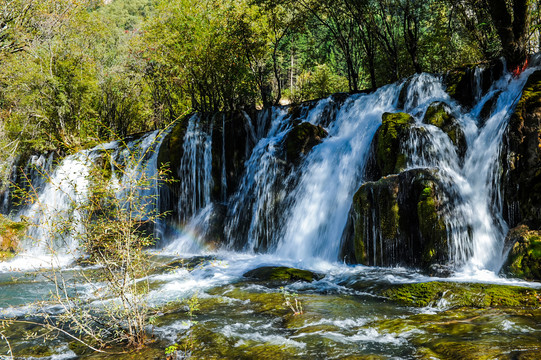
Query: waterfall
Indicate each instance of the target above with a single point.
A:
(299, 210)
(330, 176)
(195, 168)
(58, 196)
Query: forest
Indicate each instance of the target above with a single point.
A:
(76, 72)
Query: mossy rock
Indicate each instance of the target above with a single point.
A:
(269, 303)
(524, 259)
(439, 114)
(459, 85)
(463, 295)
(300, 141)
(393, 131)
(399, 220)
(283, 274)
(461, 82)
(521, 158)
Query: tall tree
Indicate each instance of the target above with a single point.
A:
(512, 21)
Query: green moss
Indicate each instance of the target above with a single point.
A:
(524, 259)
(393, 129)
(465, 350)
(281, 273)
(172, 146)
(301, 139)
(10, 233)
(37, 351)
(439, 115)
(453, 80)
(381, 196)
(210, 344)
(462, 295)
(431, 224)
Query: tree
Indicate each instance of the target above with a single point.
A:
(512, 22)
(344, 32)
(14, 18)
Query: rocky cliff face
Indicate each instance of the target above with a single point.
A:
(521, 181)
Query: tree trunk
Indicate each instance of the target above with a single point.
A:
(512, 29)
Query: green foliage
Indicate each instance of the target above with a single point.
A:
(317, 83)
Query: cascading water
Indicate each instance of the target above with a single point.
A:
(330, 176)
(195, 169)
(300, 211)
(476, 226)
(56, 196)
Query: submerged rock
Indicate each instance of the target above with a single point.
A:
(521, 158)
(398, 220)
(300, 141)
(454, 295)
(282, 273)
(439, 114)
(524, 259)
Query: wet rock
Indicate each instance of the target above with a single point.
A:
(521, 158)
(333, 103)
(300, 140)
(398, 220)
(455, 295)
(235, 127)
(464, 87)
(172, 149)
(210, 344)
(487, 109)
(524, 259)
(439, 114)
(281, 273)
(387, 156)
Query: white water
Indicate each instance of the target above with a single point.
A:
(195, 169)
(58, 202)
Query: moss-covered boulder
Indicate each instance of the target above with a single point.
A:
(439, 114)
(521, 158)
(399, 220)
(387, 155)
(455, 295)
(282, 273)
(10, 233)
(300, 140)
(524, 259)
